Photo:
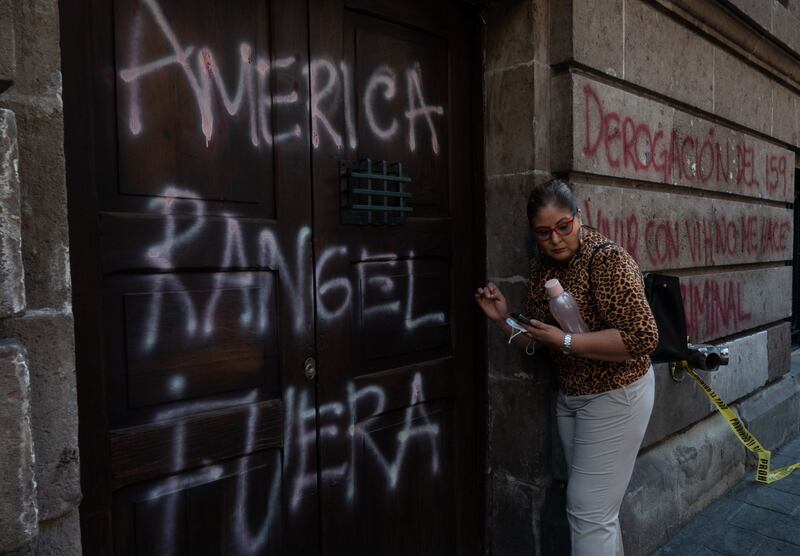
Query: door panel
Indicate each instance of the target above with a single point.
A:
(420, 330)
(398, 479)
(204, 512)
(398, 70)
(395, 398)
(193, 102)
(195, 310)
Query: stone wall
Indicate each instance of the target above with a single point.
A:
(681, 137)
(39, 444)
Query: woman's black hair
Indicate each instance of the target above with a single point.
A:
(554, 192)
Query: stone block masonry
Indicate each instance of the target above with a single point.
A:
(722, 304)
(43, 199)
(39, 461)
(674, 231)
(644, 46)
(7, 46)
(12, 285)
(48, 336)
(676, 479)
(667, 57)
(679, 404)
(617, 133)
(680, 134)
(18, 508)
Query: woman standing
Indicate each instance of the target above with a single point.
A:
(606, 383)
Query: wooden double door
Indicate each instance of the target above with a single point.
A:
(276, 353)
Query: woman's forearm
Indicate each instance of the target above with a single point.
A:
(604, 345)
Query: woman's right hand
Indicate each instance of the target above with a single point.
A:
(492, 301)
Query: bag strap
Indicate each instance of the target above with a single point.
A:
(591, 261)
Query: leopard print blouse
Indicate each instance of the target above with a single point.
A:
(618, 301)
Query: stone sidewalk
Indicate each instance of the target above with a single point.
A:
(752, 518)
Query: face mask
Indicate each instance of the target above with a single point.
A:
(517, 327)
(517, 330)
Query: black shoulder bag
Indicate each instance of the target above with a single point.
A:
(663, 294)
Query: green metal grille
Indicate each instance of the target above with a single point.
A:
(374, 193)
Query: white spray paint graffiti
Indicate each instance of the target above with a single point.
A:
(327, 85)
(299, 444)
(300, 414)
(335, 293)
(253, 95)
(161, 256)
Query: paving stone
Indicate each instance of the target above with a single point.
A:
(719, 536)
(685, 545)
(771, 547)
(790, 484)
(684, 474)
(769, 499)
(747, 520)
(791, 449)
(722, 509)
(768, 523)
(779, 458)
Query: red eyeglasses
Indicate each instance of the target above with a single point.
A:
(563, 229)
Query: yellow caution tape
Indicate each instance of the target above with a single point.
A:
(763, 473)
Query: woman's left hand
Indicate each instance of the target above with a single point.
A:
(544, 334)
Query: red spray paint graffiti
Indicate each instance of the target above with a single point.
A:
(704, 241)
(713, 307)
(633, 146)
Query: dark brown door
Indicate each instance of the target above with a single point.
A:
(263, 366)
(390, 82)
(191, 216)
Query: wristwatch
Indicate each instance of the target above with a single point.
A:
(566, 347)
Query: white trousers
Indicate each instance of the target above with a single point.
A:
(601, 435)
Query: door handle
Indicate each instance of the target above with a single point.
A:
(310, 368)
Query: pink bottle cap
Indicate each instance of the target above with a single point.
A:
(553, 287)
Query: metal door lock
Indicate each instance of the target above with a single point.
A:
(310, 368)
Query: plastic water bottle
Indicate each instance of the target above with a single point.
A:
(564, 308)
